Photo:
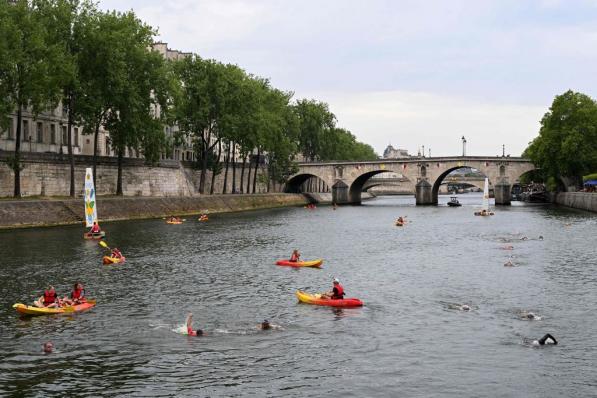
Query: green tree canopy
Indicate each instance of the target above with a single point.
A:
(567, 141)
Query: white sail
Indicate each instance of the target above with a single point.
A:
(90, 203)
(486, 195)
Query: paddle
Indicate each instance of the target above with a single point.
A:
(104, 245)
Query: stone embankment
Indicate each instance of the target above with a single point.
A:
(49, 212)
(577, 200)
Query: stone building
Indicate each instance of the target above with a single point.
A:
(47, 132)
(395, 153)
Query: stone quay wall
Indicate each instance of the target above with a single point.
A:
(49, 212)
(578, 200)
(49, 175)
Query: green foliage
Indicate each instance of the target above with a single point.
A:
(567, 141)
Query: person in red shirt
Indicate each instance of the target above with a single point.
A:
(337, 292)
(294, 258)
(116, 253)
(190, 331)
(95, 229)
(77, 296)
(49, 299)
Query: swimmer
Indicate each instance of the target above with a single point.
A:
(267, 325)
(524, 238)
(545, 340)
(48, 347)
(508, 264)
(509, 247)
(529, 316)
(465, 307)
(190, 331)
(540, 237)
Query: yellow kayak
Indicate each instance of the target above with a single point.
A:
(32, 310)
(316, 299)
(288, 263)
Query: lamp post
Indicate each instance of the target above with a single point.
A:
(423, 151)
(503, 150)
(463, 146)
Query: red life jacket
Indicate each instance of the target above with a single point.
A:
(95, 229)
(294, 258)
(49, 298)
(77, 294)
(339, 294)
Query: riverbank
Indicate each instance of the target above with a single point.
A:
(577, 200)
(51, 211)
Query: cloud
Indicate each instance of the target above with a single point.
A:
(412, 119)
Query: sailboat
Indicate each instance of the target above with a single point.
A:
(90, 207)
(485, 208)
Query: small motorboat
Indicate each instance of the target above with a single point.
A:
(454, 202)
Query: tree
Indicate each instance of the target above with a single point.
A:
(30, 63)
(314, 119)
(567, 141)
(139, 91)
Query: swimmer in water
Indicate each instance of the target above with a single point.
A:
(509, 247)
(529, 316)
(524, 238)
(545, 340)
(190, 330)
(465, 307)
(48, 347)
(265, 325)
(540, 237)
(509, 263)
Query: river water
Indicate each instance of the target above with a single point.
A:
(410, 339)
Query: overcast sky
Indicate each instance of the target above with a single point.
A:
(409, 73)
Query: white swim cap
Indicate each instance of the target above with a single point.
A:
(336, 280)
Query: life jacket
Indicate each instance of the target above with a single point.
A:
(116, 253)
(339, 294)
(77, 294)
(95, 229)
(49, 298)
(294, 258)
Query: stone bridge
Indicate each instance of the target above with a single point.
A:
(347, 179)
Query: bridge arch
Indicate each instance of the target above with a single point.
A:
(360, 184)
(296, 183)
(440, 179)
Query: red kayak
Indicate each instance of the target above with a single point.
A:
(317, 300)
(313, 263)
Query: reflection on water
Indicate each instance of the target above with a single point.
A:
(411, 339)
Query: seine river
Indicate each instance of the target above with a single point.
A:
(410, 340)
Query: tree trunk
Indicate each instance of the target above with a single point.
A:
(233, 167)
(119, 178)
(203, 167)
(242, 174)
(215, 167)
(95, 139)
(256, 168)
(248, 187)
(17, 159)
(71, 157)
(227, 160)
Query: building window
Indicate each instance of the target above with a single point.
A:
(64, 137)
(52, 133)
(40, 132)
(25, 134)
(76, 136)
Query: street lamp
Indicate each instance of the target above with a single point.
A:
(503, 150)
(463, 146)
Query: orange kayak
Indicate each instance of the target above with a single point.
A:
(32, 310)
(317, 300)
(107, 260)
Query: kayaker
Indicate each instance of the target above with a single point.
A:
(116, 253)
(49, 299)
(190, 330)
(48, 347)
(337, 292)
(95, 229)
(294, 258)
(547, 339)
(77, 296)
